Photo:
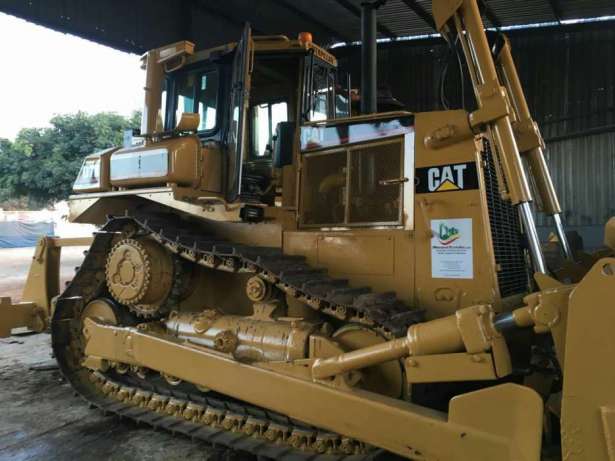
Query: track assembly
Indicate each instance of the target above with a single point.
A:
(125, 258)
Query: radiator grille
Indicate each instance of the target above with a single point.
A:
(505, 233)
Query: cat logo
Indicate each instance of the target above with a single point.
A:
(446, 178)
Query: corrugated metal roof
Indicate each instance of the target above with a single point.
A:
(138, 25)
(396, 15)
(522, 12)
(572, 9)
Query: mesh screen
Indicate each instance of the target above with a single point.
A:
(505, 233)
(371, 201)
(324, 188)
(332, 195)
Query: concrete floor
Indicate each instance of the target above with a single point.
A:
(41, 418)
(15, 262)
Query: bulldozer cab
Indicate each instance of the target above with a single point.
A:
(243, 97)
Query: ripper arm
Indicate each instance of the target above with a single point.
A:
(42, 285)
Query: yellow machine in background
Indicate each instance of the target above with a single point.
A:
(280, 277)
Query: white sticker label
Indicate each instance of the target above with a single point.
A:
(451, 249)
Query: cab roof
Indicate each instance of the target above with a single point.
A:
(267, 44)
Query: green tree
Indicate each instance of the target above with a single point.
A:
(42, 163)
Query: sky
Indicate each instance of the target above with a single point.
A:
(46, 72)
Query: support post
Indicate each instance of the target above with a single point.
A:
(369, 57)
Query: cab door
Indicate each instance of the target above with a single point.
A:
(240, 95)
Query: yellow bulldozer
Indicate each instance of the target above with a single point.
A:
(280, 277)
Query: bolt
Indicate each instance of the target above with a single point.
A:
(225, 341)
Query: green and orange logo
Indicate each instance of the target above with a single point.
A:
(448, 235)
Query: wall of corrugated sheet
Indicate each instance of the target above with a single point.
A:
(583, 170)
(569, 78)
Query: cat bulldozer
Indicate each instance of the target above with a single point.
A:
(274, 275)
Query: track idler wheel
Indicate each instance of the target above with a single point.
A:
(140, 274)
(258, 290)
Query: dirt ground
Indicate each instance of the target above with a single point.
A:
(41, 418)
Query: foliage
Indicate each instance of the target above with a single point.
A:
(40, 166)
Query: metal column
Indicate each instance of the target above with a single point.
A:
(369, 59)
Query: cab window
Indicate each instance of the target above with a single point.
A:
(163, 102)
(319, 91)
(272, 100)
(89, 175)
(342, 94)
(322, 93)
(208, 99)
(185, 95)
(198, 92)
(265, 118)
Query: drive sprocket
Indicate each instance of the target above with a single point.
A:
(140, 274)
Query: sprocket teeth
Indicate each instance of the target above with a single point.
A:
(129, 272)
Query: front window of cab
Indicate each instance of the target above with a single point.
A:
(197, 92)
(326, 93)
(323, 85)
(89, 175)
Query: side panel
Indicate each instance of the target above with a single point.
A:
(175, 160)
(381, 259)
(454, 262)
(211, 179)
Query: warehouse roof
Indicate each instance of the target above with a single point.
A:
(139, 25)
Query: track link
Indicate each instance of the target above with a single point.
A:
(212, 417)
(290, 273)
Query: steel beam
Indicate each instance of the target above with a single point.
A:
(490, 14)
(557, 10)
(204, 7)
(369, 58)
(420, 12)
(384, 30)
(310, 18)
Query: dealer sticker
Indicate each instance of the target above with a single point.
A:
(451, 249)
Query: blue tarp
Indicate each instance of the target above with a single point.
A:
(16, 234)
